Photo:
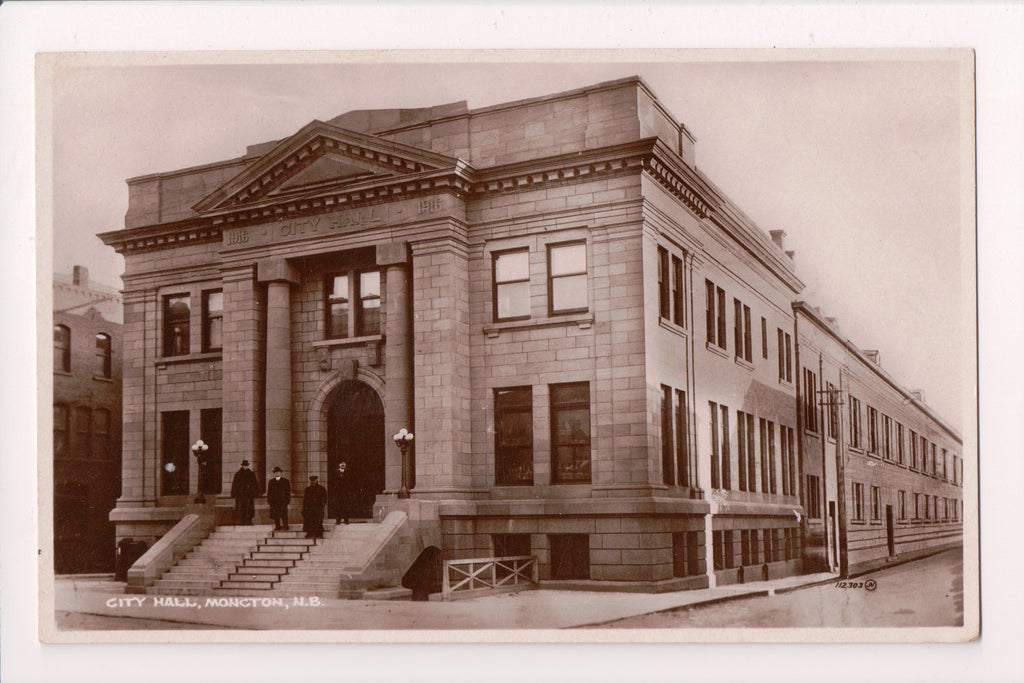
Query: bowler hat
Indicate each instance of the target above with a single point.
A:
(278, 469)
(313, 477)
(245, 463)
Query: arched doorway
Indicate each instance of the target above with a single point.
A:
(355, 434)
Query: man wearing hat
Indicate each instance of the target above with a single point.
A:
(279, 494)
(313, 501)
(244, 488)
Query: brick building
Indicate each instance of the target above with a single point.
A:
(883, 472)
(593, 346)
(86, 422)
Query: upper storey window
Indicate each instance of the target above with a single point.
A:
(512, 285)
(345, 320)
(213, 320)
(103, 365)
(177, 315)
(715, 318)
(567, 278)
(61, 348)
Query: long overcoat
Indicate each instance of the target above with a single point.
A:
(313, 500)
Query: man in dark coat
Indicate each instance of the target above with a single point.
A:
(342, 493)
(313, 500)
(279, 494)
(244, 488)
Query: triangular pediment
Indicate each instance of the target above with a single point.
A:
(321, 156)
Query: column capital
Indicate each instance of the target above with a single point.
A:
(277, 270)
(393, 253)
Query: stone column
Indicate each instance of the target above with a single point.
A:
(242, 371)
(279, 276)
(398, 350)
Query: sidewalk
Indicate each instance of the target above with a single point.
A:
(532, 609)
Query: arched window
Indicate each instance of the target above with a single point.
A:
(61, 348)
(103, 355)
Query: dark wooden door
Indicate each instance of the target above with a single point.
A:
(355, 434)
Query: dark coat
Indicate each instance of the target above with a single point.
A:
(279, 492)
(313, 501)
(244, 485)
(343, 492)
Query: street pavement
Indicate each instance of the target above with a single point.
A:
(99, 603)
(925, 593)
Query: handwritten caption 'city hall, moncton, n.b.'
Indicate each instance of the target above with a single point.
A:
(199, 603)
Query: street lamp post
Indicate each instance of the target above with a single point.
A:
(403, 439)
(199, 449)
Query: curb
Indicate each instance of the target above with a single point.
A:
(699, 603)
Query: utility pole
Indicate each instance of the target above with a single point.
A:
(833, 398)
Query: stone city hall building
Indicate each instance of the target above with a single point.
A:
(593, 346)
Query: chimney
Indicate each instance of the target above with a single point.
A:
(779, 237)
(873, 356)
(80, 276)
(833, 321)
(918, 394)
(791, 254)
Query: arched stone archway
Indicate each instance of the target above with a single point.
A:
(362, 441)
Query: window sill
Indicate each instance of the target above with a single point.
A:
(584, 320)
(811, 431)
(858, 522)
(191, 358)
(62, 373)
(743, 363)
(716, 349)
(667, 324)
(788, 383)
(101, 378)
(347, 341)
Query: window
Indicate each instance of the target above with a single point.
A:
(513, 436)
(924, 455)
(664, 303)
(210, 431)
(715, 314)
(61, 419)
(900, 457)
(956, 467)
(887, 437)
(177, 317)
(813, 497)
(955, 506)
(856, 433)
(788, 455)
(901, 504)
(723, 549)
(720, 466)
(687, 469)
(512, 285)
(785, 357)
(745, 548)
(176, 453)
(810, 401)
(342, 290)
(927, 507)
(858, 502)
(913, 449)
(570, 433)
(567, 278)
(872, 430)
(935, 465)
(745, 452)
(83, 432)
(61, 348)
(100, 433)
(678, 302)
(917, 506)
(337, 307)
(667, 438)
(685, 554)
(945, 472)
(876, 503)
(764, 338)
(511, 545)
(103, 367)
(832, 401)
(570, 556)
(368, 315)
(741, 330)
(768, 456)
(213, 320)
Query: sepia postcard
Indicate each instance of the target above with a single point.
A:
(507, 346)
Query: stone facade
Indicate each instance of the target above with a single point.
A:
(525, 288)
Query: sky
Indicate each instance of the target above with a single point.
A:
(860, 162)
